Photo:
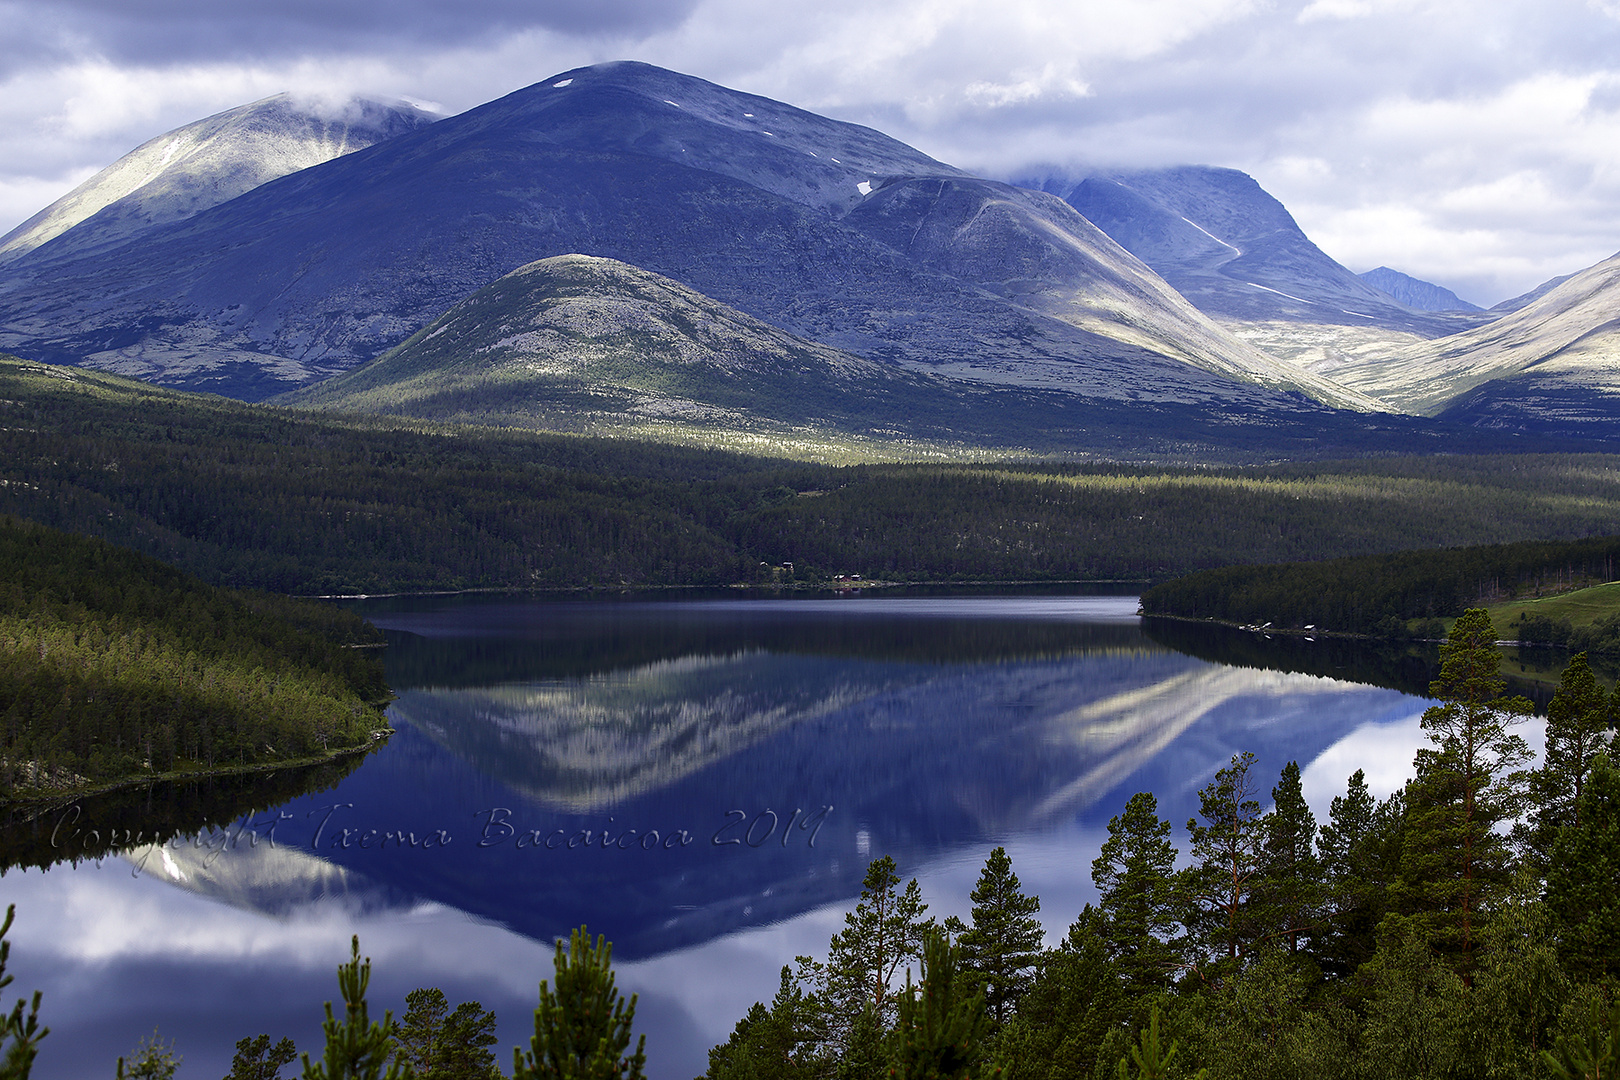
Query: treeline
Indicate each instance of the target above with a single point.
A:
(1379, 594)
(1600, 638)
(1460, 928)
(295, 502)
(115, 665)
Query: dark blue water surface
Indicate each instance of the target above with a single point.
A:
(704, 782)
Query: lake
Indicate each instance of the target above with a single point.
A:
(704, 781)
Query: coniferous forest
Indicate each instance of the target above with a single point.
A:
(1462, 926)
(302, 503)
(115, 666)
(1381, 594)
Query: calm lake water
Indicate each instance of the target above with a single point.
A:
(703, 781)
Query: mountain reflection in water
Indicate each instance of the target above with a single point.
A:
(673, 774)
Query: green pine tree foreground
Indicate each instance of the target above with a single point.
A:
(152, 1059)
(942, 1024)
(582, 1028)
(1466, 926)
(20, 1032)
(440, 1043)
(357, 1047)
(1001, 947)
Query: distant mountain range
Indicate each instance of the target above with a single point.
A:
(1414, 292)
(732, 262)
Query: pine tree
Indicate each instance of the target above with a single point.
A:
(1578, 720)
(1583, 880)
(1453, 860)
(1002, 946)
(358, 1048)
(1135, 879)
(20, 1032)
(1290, 888)
(942, 1024)
(441, 1044)
(1356, 851)
(1150, 1059)
(1592, 1052)
(1076, 1001)
(152, 1059)
(582, 1029)
(256, 1059)
(775, 1043)
(881, 936)
(1229, 849)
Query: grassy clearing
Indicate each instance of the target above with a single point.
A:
(1582, 607)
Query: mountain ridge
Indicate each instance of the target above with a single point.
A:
(1562, 347)
(204, 163)
(1415, 292)
(316, 272)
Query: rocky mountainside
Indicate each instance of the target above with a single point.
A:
(578, 343)
(179, 174)
(587, 344)
(1414, 292)
(1553, 365)
(1236, 253)
(829, 231)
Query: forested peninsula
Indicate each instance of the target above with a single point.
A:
(114, 666)
(1393, 595)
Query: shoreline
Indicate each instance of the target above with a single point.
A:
(376, 739)
(820, 586)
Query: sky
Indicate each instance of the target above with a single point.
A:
(1476, 145)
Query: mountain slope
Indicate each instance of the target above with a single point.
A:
(319, 271)
(203, 164)
(1041, 255)
(1514, 303)
(1415, 292)
(586, 344)
(1553, 364)
(1237, 254)
(581, 343)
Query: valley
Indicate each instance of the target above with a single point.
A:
(636, 502)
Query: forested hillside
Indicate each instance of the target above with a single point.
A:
(278, 499)
(113, 665)
(1378, 594)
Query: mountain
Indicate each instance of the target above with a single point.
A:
(177, 175)
(587, 344)
(1414, 292)
(1514, 303)
(829, 231)
(1550, 366)
(1236, 253)
(579, 343)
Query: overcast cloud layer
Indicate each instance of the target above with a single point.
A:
(1475, 145)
